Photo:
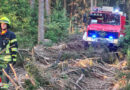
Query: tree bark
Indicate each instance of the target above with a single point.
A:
(48, 7)
(91, 5)
(32, 3)
(95, 3)
(65, 4)
(128, 8)
(41, 22)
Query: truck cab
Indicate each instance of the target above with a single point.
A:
(105, 25)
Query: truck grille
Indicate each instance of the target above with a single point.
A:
(102, 34)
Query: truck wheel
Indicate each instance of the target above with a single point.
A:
(86, 45)
(112, 48)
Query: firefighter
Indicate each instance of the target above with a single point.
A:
(8, 48)
(85, 18)
(84, 22)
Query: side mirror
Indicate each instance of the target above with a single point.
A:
(127, 23)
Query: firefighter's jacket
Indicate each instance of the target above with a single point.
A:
(8, 47)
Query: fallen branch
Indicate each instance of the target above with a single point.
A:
(80, 78)
(1, 52)
(102, 77)
(14, 72)
(105, 69)
(33, 83)
(66, 72)
(77, 85)
(23, 50)
(12, 81)
(16, 77)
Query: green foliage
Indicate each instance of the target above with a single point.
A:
(22, 22)
(70, 55)
(125, 42)
(127, 87)
(20, 60)
(29, 86)
(58, 25)
(48, 44)
(127, 36)
(122, 74)
(32, 69)
(128, 56)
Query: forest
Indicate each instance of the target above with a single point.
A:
(51, 53)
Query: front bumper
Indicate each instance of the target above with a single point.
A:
(102, 40)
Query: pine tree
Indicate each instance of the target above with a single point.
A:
(41, 22)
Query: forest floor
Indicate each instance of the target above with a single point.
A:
(68, 66)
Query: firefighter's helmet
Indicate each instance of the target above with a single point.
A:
(5, 20)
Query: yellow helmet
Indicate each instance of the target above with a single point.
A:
(5, 20)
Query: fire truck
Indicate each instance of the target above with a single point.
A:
(106, 25)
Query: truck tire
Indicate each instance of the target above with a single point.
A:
(86, 45)
(112, 47)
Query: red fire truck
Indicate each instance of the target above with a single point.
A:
(105, 25)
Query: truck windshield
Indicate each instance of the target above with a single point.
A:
(113, 19)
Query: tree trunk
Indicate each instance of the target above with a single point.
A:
(65, 4)
(48, 7)
(128, 8)
(41, 22)
(32, 2)
(95, 3)
(91, 5)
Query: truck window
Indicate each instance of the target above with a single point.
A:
(113, 19)
(94, 21)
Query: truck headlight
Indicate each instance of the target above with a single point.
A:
(121, 35)
(110, 38)
(94, 36)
